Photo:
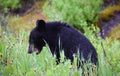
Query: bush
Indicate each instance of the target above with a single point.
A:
(73, 11)
(8, 4)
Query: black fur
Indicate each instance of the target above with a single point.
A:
(71, 41)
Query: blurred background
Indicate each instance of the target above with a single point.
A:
(22, 14)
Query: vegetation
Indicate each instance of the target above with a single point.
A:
(74, 12)
(15, 61)
(8, 4)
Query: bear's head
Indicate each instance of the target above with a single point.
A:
(36, 37)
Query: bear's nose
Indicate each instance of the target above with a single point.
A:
(30, 49)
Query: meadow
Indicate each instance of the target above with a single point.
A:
(15, 61)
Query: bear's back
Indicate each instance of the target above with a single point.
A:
(68, 34)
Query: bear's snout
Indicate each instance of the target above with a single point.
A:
(30, 49)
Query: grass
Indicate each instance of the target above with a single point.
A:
(15, 61)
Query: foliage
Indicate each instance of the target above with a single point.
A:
(73, 11)
(108, 52)
(8, 4)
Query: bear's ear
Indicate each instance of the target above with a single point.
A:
(40, 24)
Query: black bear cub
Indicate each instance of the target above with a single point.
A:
(61, 36)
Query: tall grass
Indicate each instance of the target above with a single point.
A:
(15, 60)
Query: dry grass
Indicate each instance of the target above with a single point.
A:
(108, 12)
(115, 33)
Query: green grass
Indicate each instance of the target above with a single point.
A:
(15, 61)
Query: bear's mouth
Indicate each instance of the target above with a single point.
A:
(33, 49)
(37, 51)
